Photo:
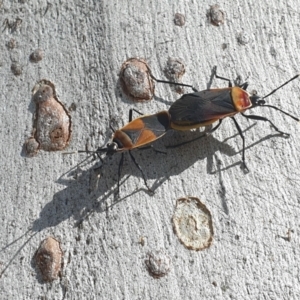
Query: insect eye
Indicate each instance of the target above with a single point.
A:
(115, 146)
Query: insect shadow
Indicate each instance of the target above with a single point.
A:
(87, 191)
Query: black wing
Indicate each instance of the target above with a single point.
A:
(203, 106)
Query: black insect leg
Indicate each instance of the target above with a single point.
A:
(172, 82)
(243, 85)
(131, 111)
(243, 138)
(215, 128)
(223, 78)
(259, 118)
(112, 128)
(130, 117)
(141, 170)
(198, 138)
(120, 171)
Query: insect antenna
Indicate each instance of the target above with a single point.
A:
(277, 108)
(281, 86)
(92, 153)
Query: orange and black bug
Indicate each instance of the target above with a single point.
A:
(191, 111)
(206, 107)
(138, 133)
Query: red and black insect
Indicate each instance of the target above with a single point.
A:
(138, 133)
(206, 107)
(192, 110)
